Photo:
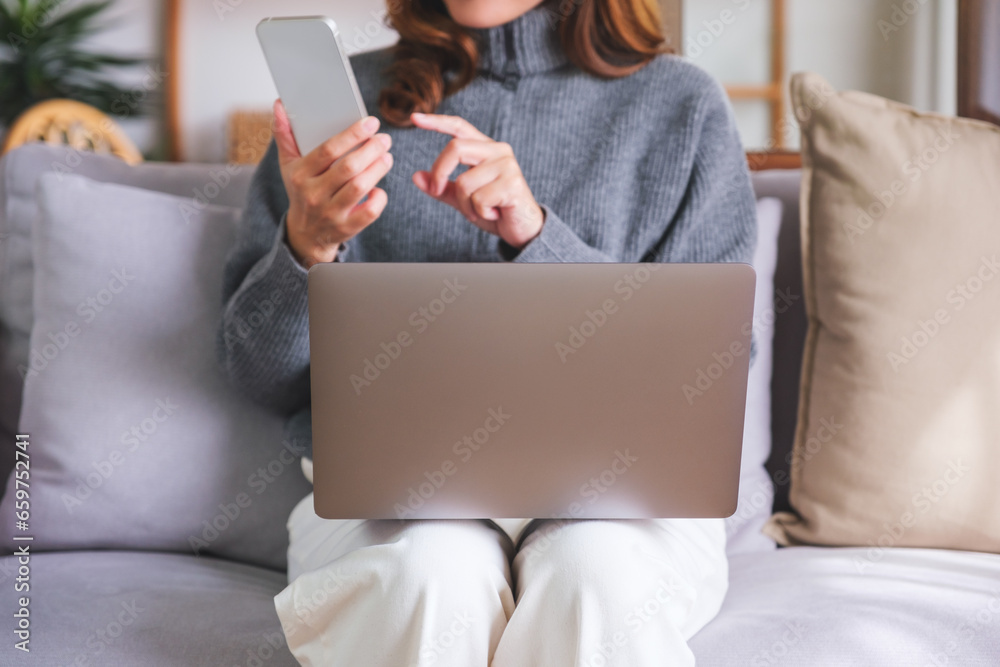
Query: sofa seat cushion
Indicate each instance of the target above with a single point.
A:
(794, 606)
(103, 608)
(857, 606)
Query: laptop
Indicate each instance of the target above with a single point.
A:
(458, 391)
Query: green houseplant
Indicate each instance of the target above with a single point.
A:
(41, 58)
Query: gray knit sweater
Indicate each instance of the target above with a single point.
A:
(646, 168)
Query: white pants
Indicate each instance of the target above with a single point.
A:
(588, 593)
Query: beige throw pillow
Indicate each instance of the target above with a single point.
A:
(898, 440)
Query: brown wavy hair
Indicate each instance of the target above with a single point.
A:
(436, 57)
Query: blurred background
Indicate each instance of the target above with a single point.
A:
(200, 93)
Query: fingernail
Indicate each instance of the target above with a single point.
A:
(370, 124)
(385, 139)
(417, 114)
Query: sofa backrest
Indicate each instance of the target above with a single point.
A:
(790, 325)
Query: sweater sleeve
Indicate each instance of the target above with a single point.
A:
(263, 339)
(715, 221)
(557, 243)
(717, 218)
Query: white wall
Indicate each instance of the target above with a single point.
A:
(856, 44)
(223, 67)
(135, 29)
(839, 39)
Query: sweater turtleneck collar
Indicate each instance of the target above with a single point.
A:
(527, 45)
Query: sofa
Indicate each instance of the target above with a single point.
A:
(165, 543)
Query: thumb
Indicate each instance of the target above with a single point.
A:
(288, 149)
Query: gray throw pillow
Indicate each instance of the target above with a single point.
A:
(224, 185)
(743, 528)
(137, 440)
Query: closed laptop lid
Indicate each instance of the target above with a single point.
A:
(528, 390)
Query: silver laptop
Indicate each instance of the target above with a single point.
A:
(528, 390)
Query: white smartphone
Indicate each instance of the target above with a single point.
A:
(313, 77)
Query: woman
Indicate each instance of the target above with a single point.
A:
(516, 131)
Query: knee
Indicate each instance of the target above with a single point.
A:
(624, 548)
(584, 552)
(623, 562)
(446, 557)
(452, 567)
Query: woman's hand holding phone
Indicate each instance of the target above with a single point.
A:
(325, 187)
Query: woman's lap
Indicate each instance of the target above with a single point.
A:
(587, 592)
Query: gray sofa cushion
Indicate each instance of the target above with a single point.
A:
(112, 608)
(138, 441)
(224, 185)
(856, 606)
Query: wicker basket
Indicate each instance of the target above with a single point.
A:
(74, 124)
(249, 136)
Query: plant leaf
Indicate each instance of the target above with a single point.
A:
(80, 20)
(51, 63)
